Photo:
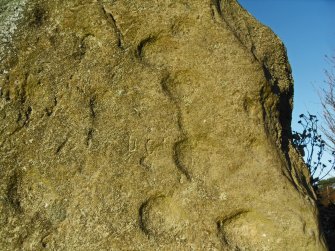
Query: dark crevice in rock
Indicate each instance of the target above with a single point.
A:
(267, 127)
(285, 115)
(284, 108)
(247, 41)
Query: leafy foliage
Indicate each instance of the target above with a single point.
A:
(313, 148)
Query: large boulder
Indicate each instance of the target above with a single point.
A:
(147, 125)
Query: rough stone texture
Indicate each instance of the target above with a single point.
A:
(147, 125)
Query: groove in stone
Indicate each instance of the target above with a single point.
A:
(89, 137)
(50, 111)
(143, 164)
(217, 5)
(142, 44)
(141, 219)
(12, 192)
(220, 224)
(25, 118)
(23, 93)
(61, 146)
(165, 88)
(111, 20)
(177, 146)
(218, 9)
(92, 107)
(177, 159)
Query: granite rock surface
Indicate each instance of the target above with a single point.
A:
(147, 125)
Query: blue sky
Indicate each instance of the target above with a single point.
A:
(307, 28)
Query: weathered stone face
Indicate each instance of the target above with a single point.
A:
(147, 125)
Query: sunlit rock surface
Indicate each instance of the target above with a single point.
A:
(147, 125)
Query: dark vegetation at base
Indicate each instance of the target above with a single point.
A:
(326, 206)
(311, 146)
